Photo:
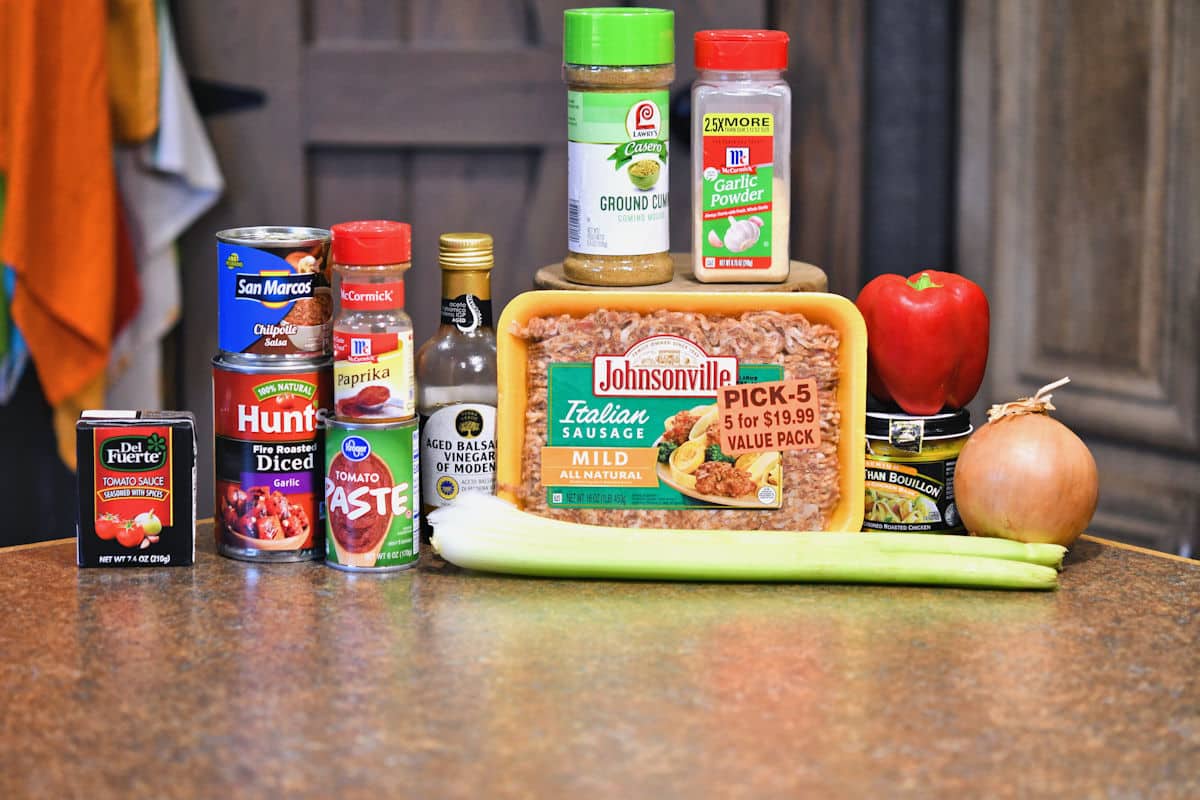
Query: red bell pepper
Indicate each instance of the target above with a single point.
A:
(927, 340)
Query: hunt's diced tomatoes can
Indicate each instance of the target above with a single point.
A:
(274, 299)
(136, 488)
(268, 421)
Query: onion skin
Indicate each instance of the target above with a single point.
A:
(1026, 477)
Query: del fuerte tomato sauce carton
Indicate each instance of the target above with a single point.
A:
(137, 488)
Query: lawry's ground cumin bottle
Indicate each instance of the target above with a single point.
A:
(741, 139)
(456, 377)
(618, 64)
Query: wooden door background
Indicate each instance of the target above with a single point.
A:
(1079, 204)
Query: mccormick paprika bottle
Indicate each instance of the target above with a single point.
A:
(456, 372)
(372, 336)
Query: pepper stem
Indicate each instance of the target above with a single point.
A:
(1038, 404)
(923, 282)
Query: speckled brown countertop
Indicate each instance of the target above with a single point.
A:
(228, 680)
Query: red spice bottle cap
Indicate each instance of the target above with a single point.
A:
(741, 51)
(371, 242)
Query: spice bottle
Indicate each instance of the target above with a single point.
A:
(372, 336)
(741, 135)
(618, 63)
(456, 374)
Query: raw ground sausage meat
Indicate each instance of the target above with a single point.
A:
(810, 477)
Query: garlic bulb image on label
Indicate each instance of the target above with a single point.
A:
(742, 234)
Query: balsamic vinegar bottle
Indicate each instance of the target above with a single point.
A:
(456, 378)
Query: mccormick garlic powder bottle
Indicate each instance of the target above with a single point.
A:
(456, 375)
(741, 135)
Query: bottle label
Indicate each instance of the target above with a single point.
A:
(736, 185)
(458, 452)
(373, 376)
(467, 312)
(617, 173)
(372, 296)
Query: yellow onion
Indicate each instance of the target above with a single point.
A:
(1026, 476)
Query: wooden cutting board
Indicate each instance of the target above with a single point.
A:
(801, 278)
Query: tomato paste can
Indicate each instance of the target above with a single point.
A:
(371, 495)
(274, 297)
(268, 462)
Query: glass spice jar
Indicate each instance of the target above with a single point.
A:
(373, 377)
(910, 468)
(617, 64)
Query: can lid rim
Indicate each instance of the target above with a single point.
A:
(254, 235)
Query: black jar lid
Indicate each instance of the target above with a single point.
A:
(880, 424)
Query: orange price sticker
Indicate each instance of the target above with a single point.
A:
(780, 415)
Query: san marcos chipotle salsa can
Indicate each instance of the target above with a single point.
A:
(371, 495)
(269, 466)
(274, 297)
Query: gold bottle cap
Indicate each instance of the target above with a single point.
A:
(465, 251)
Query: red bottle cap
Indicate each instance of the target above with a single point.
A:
(741, 51)
(371, 242)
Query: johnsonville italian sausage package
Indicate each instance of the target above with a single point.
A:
(683, 410)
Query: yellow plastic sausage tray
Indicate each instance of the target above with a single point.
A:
(830, 309)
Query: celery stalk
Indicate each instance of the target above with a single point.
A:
(1048, 555)
(501, 515)
(487, 534)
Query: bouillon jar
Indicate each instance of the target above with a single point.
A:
(910, 467)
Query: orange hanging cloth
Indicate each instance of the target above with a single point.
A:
(133, 69)
(61, 233)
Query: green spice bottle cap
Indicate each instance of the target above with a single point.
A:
(619, 37)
